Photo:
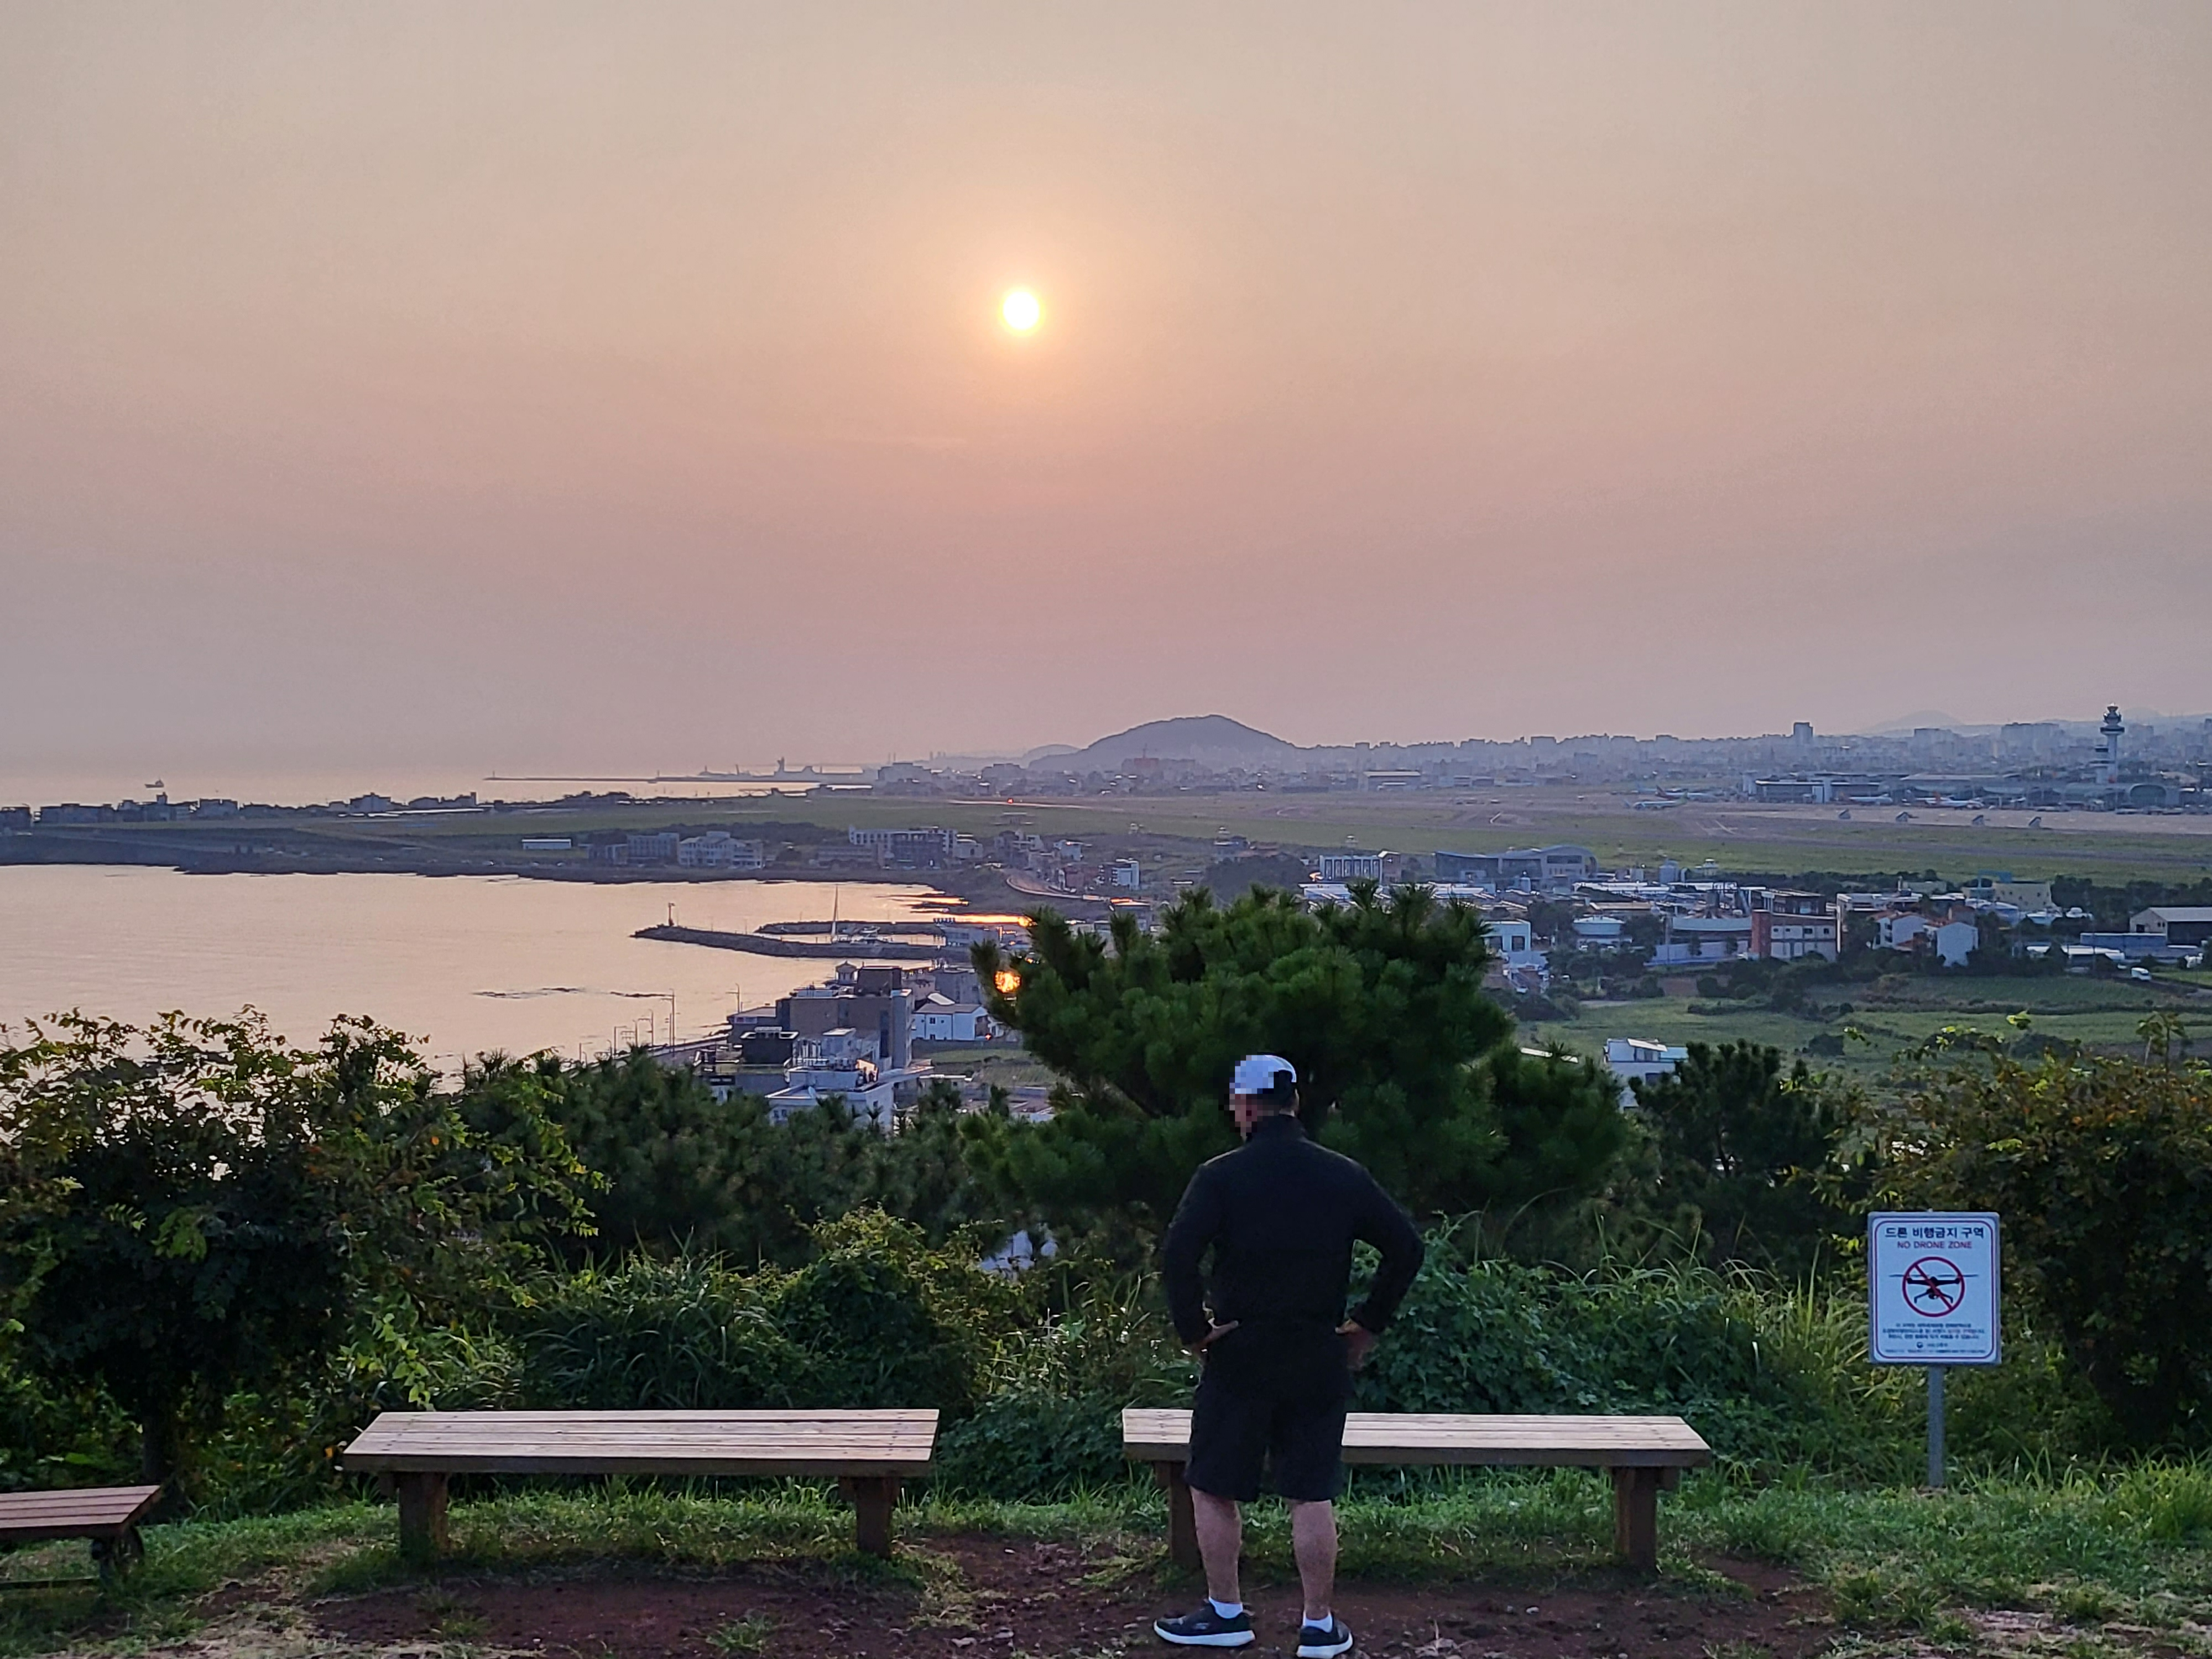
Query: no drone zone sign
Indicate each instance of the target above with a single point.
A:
(1934, 1284)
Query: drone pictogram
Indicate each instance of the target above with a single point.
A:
(1934, 1286)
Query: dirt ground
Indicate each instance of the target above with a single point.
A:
(987, 1597)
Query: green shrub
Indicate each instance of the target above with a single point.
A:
(51, 1437)
(1034, 1447)
(2098, 1168)
(1773, 1378)
(870, 1337)
(877, 1319)
(652, 1334)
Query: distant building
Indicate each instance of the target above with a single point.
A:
(652, 849)
(838, 1063)
(1793, 925)
(2110, 736)
(1352, 866)
(941, 1020)
(1998, 887)
(1128, 874)
(1538, 869)
(1695, 941)
(1951, 941)
(1634, 1060)
(922, 847)
(875, 1001)
(2172, 925)
(1513, 943)
(1815, 791)
(718, 849)
(1600, 933)
(547, 844)
(15, 820)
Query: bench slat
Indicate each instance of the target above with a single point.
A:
(85, 1511)
(1386, 1437)
(828, 1443)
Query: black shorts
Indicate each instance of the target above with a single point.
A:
(1235, 1434)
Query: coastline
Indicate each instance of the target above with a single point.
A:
(958, 891)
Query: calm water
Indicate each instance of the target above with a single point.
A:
(467, 962)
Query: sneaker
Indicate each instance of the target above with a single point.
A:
(1208, 1629)
(1324, 1641)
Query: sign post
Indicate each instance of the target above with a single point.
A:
(1932, 1283)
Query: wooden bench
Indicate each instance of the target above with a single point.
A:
(1643, 1453)
(866, 1452)
(108, 1516)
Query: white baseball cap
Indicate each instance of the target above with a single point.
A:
(1257, 1073)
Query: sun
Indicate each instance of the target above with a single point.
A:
(1020, 310)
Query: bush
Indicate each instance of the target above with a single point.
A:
(1028, 1447)
(657, 1336)
(195, 1210)
(1765, 1373)
(2098, 1168)
(876, 1320)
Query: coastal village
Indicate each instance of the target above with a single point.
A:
(1563, 926)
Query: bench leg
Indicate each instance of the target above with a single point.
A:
(873, 1498)
(1635, 1518)
(114, 1557)
(1182, 1524)
(422, 1514)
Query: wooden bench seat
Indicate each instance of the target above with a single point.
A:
(108, 1516)
(1644, 1454)
(866, 1452)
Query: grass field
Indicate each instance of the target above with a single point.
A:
(1739, 836)
(1894, 1012)
(2110, 1564)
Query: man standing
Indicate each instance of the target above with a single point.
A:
(1279, 1214)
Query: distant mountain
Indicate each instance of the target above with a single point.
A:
(1919, 717)
(1213, 741)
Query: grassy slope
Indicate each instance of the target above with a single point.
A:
(2120, 1552)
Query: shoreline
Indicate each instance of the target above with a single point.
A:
(957, 891)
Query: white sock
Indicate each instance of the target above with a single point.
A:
(1322, 1620)
(1226, 1609)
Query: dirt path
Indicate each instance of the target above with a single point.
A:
(986, 1598)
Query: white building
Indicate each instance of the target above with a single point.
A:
(919, 845)
(1128, 874)
(1599, 932)
(1631, 1059)
(1514, 944)
(1352, 866)
(941, 1020)
(840, 1062)
(1952, 942)
(1691, 941)
(720, 850)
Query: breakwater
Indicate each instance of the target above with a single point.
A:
(859, 944)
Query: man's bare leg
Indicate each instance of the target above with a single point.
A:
(1221, 1543)
(1313, 1540)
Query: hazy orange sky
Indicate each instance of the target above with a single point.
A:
(565, 387)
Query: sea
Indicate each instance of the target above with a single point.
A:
(463, 964)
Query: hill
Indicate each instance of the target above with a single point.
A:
(1213, 740)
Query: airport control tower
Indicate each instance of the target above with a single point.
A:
(2108, 745)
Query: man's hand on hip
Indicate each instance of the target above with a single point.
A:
(1358, 1342)
(1213, 1334)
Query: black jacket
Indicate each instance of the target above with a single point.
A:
(1279, 1214)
